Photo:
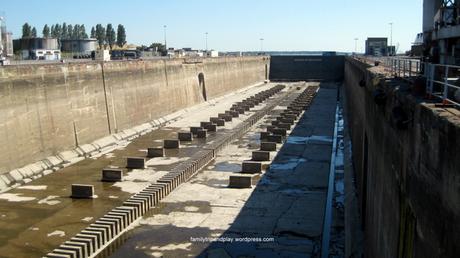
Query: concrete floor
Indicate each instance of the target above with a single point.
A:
(37, 217)
(281, 216)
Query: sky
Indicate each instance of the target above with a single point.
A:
(233, 25)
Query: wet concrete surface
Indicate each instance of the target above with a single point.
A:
(39, 216)
(281, 216)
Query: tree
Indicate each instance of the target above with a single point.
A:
(64, 32)
(76, 32)
(142, 48)
(121, 35)
(159, 48)
(57, 31)
(26, 30)
(52, 31)
(46, 31)
(93, 33)
(110, 35)
(34, 32)
(69, 31)
(83, 34)
(100, 35)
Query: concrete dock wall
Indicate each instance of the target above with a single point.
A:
(46, 109)
(306, 68)
(407, 173)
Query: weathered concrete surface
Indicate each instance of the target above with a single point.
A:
(46, 109)
(408, 179)
(306, 68)
(286, 207)
(37, 217)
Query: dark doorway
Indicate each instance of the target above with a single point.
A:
(202, 86)
(266, 71)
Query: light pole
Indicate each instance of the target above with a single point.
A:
(206, 37)
(391, 36)
(356, 45)
(261, 45)
(164, 30)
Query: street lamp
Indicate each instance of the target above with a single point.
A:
(206, 37)
(391, 36)
(261, 45)
(356, 45)
(164, 30)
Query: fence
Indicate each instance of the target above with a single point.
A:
(442, 81)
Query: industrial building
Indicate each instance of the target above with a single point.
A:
(79, 46)
(6, 43)
(37, 48)
(441, 31)
(377, 46)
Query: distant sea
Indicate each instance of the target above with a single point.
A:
(299, 53)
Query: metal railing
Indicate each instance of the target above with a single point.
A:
(442, 81)
(403, 67)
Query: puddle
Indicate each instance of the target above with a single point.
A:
(15, 197)
(140, 175)
(109, 155)
(50, 200)
(33, 187)
(314, 139)
(131, 187)
(227, 167)
(58, 233)
(164, 161)
(289, 164)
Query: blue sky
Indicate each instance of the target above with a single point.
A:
(233, 25)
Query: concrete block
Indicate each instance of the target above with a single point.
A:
(211, 127)
(82, 191)
(171, 144)
(3, 185)
(275, 138)
(245, 107)
(202, 133)
(286, 120)
(290, 116)
(240, 110)
(135, 162)
(226, 117)
(185, 136)
(268, 146)
(261, 155)
(263, 135)
(270, 128)
(233, 113)
(284, 126)
(155, 152)
(205, 124)
(280, 131)
(5, 179)
(243, 181)
(16, 175)
(251, 167)
(194, 129)
(217, 121)
(112, 175)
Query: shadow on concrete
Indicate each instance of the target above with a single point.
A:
(283, 216)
